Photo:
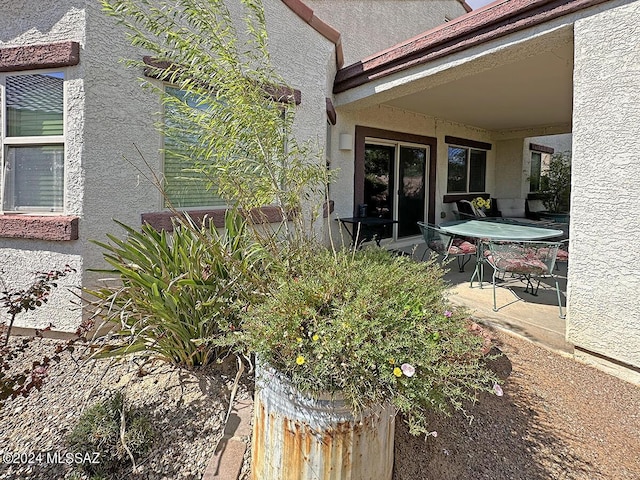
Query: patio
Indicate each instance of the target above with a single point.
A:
(533, 317)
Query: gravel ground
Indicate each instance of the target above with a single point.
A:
(558, 419)
(186, 408)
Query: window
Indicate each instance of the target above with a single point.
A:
(467, 170)
(185, 185)
(540, 162)
(536, 172)
(32, 109)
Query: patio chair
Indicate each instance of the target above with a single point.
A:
(466, 210)
(531, 261)
(447, 245)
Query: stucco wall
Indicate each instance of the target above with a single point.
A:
(110, 132)
(560, 143)
(392, 21)
(38, 22)
(604, 314)
(509, 168)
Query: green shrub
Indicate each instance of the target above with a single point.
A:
(176, 295)
(555, 183)
(99, 431)
(372, 326)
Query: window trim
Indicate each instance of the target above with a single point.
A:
(43, 140)
(362, 133)
(48, 56)
(467, 146)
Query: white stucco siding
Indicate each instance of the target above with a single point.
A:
(119, 122)
(604, 311)
(392, 21)
(560, 143)
(509, 169)
(110, 132)
(40, 22)
(306, 61)
(17, 270)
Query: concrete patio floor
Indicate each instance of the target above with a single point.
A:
(533, 317)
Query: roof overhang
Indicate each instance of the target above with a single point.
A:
(507, 68)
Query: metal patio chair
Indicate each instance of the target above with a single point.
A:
(530, 260)
(447, 245)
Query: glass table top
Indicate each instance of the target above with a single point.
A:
(499, 230)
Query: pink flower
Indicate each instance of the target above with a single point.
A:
(497, 389)
(408, 370)
(448, 313)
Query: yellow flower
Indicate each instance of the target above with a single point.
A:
(315, 337)
(300, 361)
(392, 361)
(299, 339)
(397, 372)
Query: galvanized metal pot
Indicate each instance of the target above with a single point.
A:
(298, 437)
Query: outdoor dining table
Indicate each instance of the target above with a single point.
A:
(365, 228)
(496, 229)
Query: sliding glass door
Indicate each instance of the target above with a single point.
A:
(394, 184)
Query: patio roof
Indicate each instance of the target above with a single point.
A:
(505, 78)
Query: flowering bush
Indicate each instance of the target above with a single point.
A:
(372, 326)
(480, 202)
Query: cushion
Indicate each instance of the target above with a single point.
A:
(520, 265)
(461, 247)
(562, 256)
(465, 206)
(511, 207)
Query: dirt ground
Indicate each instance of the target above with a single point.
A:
(558, 419)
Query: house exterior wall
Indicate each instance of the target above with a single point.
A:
(397, 120)
(38, 22)
(604, 317)
(508, 171)
(513, 162)
(110, 133)
(560, 143)
(392, 21)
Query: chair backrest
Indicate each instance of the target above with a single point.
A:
(524, 257)
(466, 208)
(436, 239)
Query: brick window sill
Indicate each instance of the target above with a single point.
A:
(39, 227)
(163, 220)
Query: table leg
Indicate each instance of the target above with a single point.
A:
(479, 270)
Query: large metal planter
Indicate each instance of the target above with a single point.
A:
(296, 437)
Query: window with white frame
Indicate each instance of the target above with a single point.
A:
(467, 170)
(185, 183)
(32, 140)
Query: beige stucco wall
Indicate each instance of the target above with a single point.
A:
(513, 162)
(560, 143)
(37, 22)
(509, 167)
(370, 26)
(604, 275)
(110, 117)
